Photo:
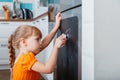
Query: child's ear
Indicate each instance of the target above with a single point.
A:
(23, 41)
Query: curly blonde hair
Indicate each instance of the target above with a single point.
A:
(23, 31)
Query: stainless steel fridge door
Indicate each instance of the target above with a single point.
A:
(69, 62)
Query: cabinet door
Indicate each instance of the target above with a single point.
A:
(5, 30)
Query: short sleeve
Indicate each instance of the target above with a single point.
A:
(28, 61)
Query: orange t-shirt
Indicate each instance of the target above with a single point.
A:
(22, 68)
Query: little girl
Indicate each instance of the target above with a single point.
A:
(27, 39)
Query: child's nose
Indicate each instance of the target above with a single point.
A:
(40, 42)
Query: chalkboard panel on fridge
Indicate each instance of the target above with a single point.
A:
(67, 63)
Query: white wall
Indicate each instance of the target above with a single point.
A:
(107, 39)
(26, 1)
(87, 39)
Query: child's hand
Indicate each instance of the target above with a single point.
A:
(58, 19)
(60, 41)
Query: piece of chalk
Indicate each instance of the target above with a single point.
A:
(64, 35)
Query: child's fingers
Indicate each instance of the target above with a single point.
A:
(58, 14)
(63, 39)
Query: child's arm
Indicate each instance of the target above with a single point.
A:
(45, 42)
(50, 65)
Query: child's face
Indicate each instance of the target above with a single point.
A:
(33, 44)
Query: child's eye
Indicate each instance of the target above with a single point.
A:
(37, 39)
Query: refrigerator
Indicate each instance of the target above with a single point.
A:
(69, 63)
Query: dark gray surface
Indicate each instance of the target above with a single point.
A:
(62, 5)
(67, 65)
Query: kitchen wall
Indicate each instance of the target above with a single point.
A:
(87, 40)
(107, 39)
(26, 4)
